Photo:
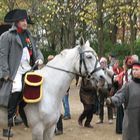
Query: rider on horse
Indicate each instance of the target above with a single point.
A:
(18, 53)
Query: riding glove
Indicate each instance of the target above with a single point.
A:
(39, 62)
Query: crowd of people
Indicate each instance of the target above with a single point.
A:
(120, 92)
(128, 96)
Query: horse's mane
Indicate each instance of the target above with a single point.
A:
(66, 53)
(72, 52)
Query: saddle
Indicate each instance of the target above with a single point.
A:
(32, 91)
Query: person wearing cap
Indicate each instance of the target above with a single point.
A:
(129, 95)
(18, 54)
(104, 90)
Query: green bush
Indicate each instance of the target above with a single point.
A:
(120, 50)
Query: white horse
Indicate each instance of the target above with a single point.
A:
(58, 74)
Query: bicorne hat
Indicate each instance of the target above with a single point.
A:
(15, 15)
(4, 28)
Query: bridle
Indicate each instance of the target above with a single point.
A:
(81, 61)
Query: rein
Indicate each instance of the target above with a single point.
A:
(64, 70)
(82, 60)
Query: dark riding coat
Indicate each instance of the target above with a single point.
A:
(11, 50)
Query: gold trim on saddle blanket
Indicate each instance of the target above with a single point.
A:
(33, 84)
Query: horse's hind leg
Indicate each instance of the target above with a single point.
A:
(37, 132)
(48, 133)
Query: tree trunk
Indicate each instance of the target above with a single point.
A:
(100, 27)
(114, 33)
(123, 32)
(133, 32)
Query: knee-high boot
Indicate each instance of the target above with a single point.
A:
(22, 114)
(12, 107)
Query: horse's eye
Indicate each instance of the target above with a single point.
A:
(89, 56)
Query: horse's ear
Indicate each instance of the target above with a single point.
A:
(82, 41)
(87, 43)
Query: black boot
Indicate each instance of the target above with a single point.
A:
(7, 133)
(88, 119)
(81, 118)
(59, 128)
(12, 108)
(88, 125)
(22, 104)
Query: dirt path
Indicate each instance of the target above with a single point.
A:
(72, 131)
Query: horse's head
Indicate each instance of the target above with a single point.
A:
(88, 64)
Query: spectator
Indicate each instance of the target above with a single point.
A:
(104, 91)
(122, 78)
(88, 98)
(129, 95)
(112, 59)
(50, 57)
(135, 58)
(66, 106)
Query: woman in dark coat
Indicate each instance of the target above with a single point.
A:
(129, 94)
(88, 97)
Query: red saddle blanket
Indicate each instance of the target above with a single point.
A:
(32, 92)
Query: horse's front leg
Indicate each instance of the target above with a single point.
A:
(49, 133)
(37, 132)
